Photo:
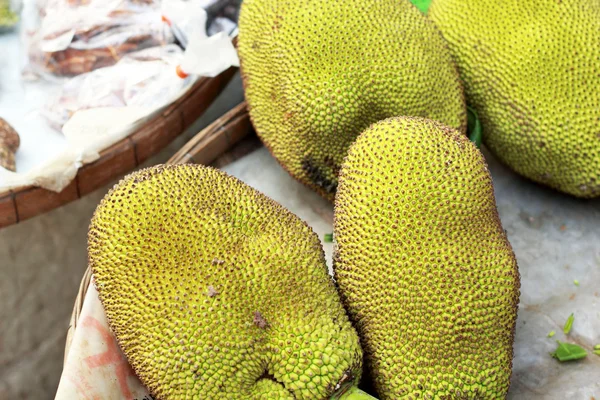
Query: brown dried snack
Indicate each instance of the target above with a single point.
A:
(74, 61)
(9, 143)
(102, 33)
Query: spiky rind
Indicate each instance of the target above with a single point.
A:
(423, 264)
(316, 73)
(215, 291)
(532, 71)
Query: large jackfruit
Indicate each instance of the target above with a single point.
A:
(215, 291)
(318, 72)
(532, 71)
(423, 264)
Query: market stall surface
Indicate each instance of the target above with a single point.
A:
(555, 239)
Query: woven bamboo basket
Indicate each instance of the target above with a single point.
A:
(26, 202)
(213, 145)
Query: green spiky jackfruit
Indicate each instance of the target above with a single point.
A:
(423, 264)
(318, 72)
(532, 71)
(207, 297)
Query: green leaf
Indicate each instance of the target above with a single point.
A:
(568, 352)
(422, 5)
(474, 128)
(597, 347)
(353, 393)
(568, 324)
(551, 333)
(328, 238)
(597, 352)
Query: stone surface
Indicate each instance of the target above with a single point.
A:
(42, 261)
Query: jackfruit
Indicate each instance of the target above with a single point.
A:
(423, 265)
(318, 72)
(206, 296)
(532, 71)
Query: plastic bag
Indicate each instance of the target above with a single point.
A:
(144, 78)
(205, 55)
(187, 17)
(71, 37)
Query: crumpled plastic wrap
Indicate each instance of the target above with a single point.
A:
(144, 78)
(72, 37)
(555, 238)
(99, 108)
(103, 115)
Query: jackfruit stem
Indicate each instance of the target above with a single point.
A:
(474, 128)
(353, 393)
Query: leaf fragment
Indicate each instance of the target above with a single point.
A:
(568, 352)
(422, 5)
(569, 324)
(551, 333)
(474, 128)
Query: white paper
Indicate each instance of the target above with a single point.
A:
(98, 128)
(189, 16)
(19, 102)
(94, 352)
(209, 57)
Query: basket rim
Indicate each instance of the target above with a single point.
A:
(19, 204)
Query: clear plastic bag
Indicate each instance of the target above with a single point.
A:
(71, 37)
(145, 78)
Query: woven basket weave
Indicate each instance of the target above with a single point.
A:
(209, 146)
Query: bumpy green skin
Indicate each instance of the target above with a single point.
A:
(532, 71)
(184, 257)
(423, 264)
(7, 17)
(318, 72)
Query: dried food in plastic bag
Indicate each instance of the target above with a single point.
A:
(71, 37)
(144, 78)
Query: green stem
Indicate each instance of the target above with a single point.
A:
(474, 128)
(422, 5)
(353, 393)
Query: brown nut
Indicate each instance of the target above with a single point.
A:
(9, 143)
